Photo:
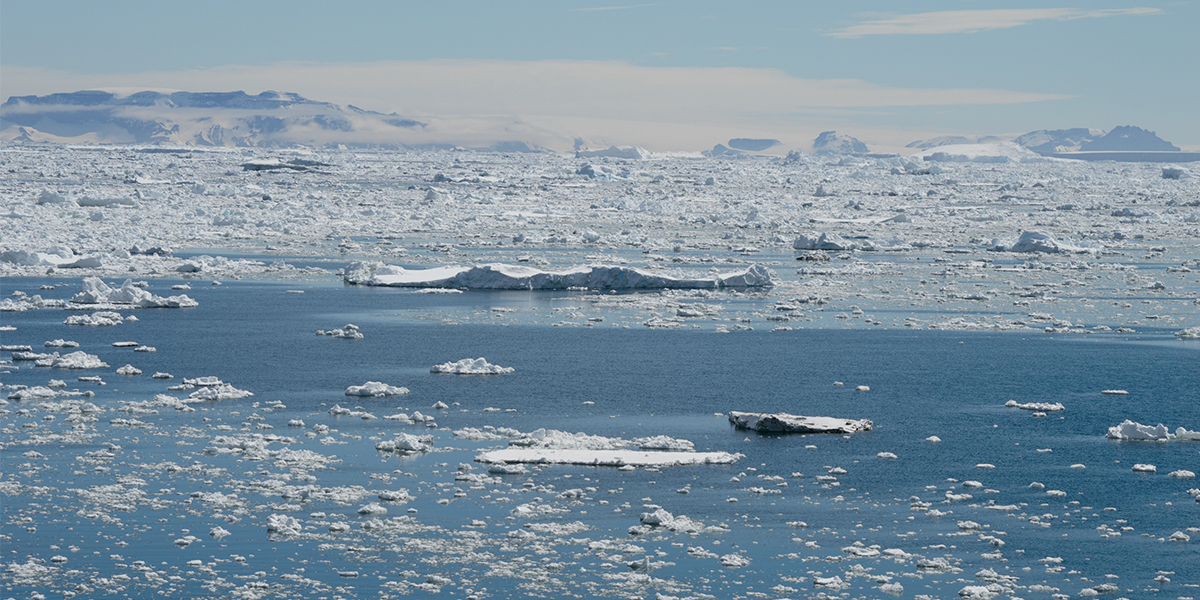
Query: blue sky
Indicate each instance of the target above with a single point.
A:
(661, 68)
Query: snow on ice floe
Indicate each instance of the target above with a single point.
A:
(471, 366)
(1191, 333)
(787, 423)
(497, 276)
(375, 389)
(95, 291)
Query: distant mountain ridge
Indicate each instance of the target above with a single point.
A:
(202, 119)
(1048, 142)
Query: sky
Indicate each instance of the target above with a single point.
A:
(671, 75)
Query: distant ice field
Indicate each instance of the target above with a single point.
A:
(252, 458)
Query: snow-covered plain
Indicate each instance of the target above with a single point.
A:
(971, 239)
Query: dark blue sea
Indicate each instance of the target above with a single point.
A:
(96, 507)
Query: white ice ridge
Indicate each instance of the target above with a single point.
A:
(95, 291)
(785, 423)
(1131, 431)
(499, 276)
(469, 366)
(375, 389)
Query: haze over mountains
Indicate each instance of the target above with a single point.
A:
(282, 119)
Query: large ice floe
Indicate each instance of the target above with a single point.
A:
(786, 423)
(548, 446)
(497, 276)
(470, 366)
(1136, 432)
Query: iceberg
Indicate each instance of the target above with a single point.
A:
(1128, 430)
(95, 291)
(1038, 241)
(785, 423)
(375, 389)
(499, 276)
(469, 366)
(629, 152)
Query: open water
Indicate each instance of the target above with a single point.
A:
(113, 498)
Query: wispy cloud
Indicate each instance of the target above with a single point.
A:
(972, 21)
(465, 100)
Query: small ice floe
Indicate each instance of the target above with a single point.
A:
(162, 375)
(886, 455)
(1182, 474)
(1115, 392)
(283, 525)
(129, 370)
(1191, 333)
(223, 391)
(373, 508)
(124, 344)
(404, 442)
(787, 423)
(95, 291)
(61, 343)
(1144, 468)
(863, 388)
(439, 405)
(1179, 536)
(507, 469)
(145, 349)
(103, 318)
(1036, 406)
(74, 360)
(1129, 430)
(471, 366)
(933, 439)
(375, 389)
(347, 332)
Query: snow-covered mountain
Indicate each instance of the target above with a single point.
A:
(1121, 139)
(204, 119)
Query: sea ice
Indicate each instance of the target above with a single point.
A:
(786, 423)
(375, 389)
(471, 366)
(497, 276)
(1037, 406)
(95, 291)
(1128, 430)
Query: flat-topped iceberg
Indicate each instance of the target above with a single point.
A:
(499, 276)
(95, 291)
(785, 423)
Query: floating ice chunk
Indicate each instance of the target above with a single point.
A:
(833, 583)
(894, 589)
(1191, 333)
(1179, 536)
(1185, 435)
(95, 291)
(348, 332)
(734, 561)
(605, 458)
(33, 393)
(61, 343)
(375, 389)
(74, 360)
(1167, 173)
(1115, 392)
(823, 241)
(1038, 406)
(205, 381)
(145, 349)
(129, 370)
(96, 319)
(404, 442)
(1182, 474)
(663, 442)
(787, 423)
(218, 392)
(1039, 241)
(507, 469)
(162, 375)
(1128, 430)
(626, 152)
(471, 366)
(497, 276)
(933, 439)
(886, 455)
(862, 388)
(373, 508)
(981, 592)
(283, 525)
(1144, 468)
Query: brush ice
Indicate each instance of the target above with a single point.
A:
(375, 389)
(497, 276)
(471, 366)
(787, 423)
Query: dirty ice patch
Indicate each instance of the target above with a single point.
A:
(498, 276)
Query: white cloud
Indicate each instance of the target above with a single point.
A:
(550, 102)
(972, 21)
